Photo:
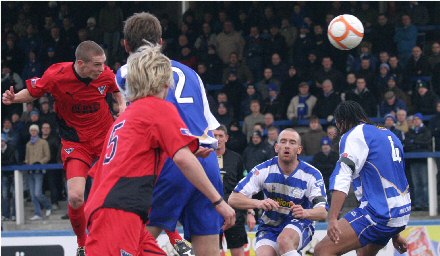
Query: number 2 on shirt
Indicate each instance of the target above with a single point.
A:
(112, 146)
(180, 86)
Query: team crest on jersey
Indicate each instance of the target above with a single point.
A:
(101, 89)
(34, 82)
(319, 183)
(345, 155)
(185, 132)
(124, 253)
(295, 192)
(69, 150)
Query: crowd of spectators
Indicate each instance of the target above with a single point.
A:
(261, 62)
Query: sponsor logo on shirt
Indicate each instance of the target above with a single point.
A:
(124, 253)
(319, 183)
(101, 89)
(69, 150)
(86, 108)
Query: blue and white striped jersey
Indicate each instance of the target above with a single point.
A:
(372, 158)
(301, 187)
(189, 96)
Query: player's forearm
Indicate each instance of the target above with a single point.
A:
(318, 213)
(23, 96)
(338, 199)
(120, 99)
(194, 172)
(240, 201)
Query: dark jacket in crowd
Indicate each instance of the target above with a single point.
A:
(326, 104)
(425, 104)
(366, 99)
(325, 164)
(254, 155)
(418, 140)
(232, 171)
(434, 124)
(237, 141)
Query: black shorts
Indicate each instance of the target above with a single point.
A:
(236, 236)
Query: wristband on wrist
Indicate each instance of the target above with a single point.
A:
(218, 201)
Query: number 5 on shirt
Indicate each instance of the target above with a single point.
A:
(112, 146)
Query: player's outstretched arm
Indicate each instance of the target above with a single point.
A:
(240, 201)
(120, 99)
(193, 170)
(9, 97)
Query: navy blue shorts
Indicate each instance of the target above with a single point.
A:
(176, 199)
(369, 231)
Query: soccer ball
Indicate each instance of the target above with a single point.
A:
(345, 32)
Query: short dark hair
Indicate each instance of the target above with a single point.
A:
(222, 128)
(142, 26)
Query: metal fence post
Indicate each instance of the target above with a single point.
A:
(19, 201)
(432, 186)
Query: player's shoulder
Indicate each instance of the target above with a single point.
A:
(60, 69)
(310, 169)
(266, 165)
(187, 71)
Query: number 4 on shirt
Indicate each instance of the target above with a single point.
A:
(112, 146)
(395, 153)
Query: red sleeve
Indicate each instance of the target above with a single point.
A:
(37, 87)
(113, 86)
(172, 133)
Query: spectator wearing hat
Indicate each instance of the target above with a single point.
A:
(289, 88)
(237, 140)
(241, 70)
(37, 152)
(312, 138)
(9, 157)
(391, 104)
(325, 160)
(301, 106)
(382, 79)
(263, 85)
(419, 139)
(394, 87)
(272, 104)
(256, 152)
(424, 99)
(50, 58)
(254, 117)
(390, 124)
(327, 102)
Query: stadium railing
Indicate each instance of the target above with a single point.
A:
(19, 169)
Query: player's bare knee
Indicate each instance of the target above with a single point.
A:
(286, 243)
